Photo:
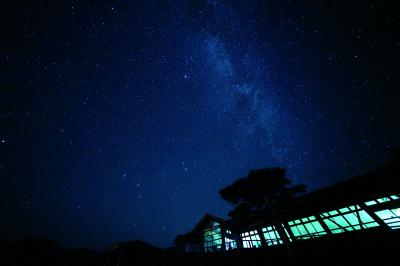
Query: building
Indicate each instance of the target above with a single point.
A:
(368, 204)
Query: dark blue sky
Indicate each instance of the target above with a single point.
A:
(121, 120)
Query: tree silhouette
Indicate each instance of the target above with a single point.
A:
(243, 209)
(259, 192)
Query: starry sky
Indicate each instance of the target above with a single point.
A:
(121, 120)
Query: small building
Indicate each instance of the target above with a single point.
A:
(368, 203)
(213, 234)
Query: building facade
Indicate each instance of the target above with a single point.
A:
(365, 203)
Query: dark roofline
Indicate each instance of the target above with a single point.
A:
(205, 218)
(378, 183)
(381, 182)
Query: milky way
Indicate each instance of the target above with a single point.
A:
(122, 120)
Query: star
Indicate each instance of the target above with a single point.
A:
(207, 88)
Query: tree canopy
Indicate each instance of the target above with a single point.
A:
(258, 188)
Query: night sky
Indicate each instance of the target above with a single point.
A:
(121, 120)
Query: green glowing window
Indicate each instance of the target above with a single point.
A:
(332, 226)
(251, 239)
(271, 236)
(371, 202)
(212, 238)
(308, 228)
(391, 217)
(340, 221)
(382, 200)
(351, 218)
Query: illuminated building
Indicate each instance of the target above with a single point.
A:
(368, 204)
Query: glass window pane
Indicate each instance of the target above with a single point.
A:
(385, 214)
(371, 202)
(310, 228)
(302, 230)
(331, 225)
(318, 227)
(295, 231)
(340, 221)
(352, 219)
(365, 218)
(383, 200)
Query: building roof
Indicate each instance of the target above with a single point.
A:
(382, 182)
(379, 183)
(205, 220)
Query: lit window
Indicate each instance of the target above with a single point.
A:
(271, 236)
(251, 239)
(350, 218)
(382, 200)
(212, 238)
(371, 202)
(333, 213)
(306, 228)
(390, 217)
(230, 243)
(214, 224)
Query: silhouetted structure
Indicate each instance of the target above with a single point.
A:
(363, 207)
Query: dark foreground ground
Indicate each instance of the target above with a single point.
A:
(358, 248)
